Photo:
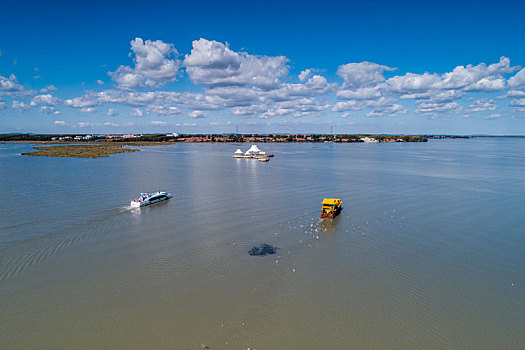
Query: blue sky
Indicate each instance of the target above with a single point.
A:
(360, 67)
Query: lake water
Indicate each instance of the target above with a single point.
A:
(428, 252)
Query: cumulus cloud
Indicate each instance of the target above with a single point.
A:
(128, 98)
(366, 93)
(483, 104)
(304, 75)
(434, 109)
(163, 110)
(9, 86)
(48, 110)
(21, 106)
(469, 78)
(59, 122)
(249, 85)
(155, 64)
(520, 102)
(314, 86)
(357, 105)
(391, 111)
(514, 93)
(362, 74)
(100, 82)
(249, 110)
(213, 63)
(88, 110)
(112, 112)
(158, 122)
(518, 81)
(50, 88)
(135, 112)
(47, 99)
(197, 114)
(435, 95)
(296, 108)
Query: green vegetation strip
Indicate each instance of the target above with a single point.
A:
(79, 151)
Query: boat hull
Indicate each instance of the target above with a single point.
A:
(138, 204)
(331, 215)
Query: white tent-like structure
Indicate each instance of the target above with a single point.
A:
(253, 152)
(254, 149)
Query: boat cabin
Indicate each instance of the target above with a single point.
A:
(330, 207)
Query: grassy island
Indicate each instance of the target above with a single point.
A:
(79, 151)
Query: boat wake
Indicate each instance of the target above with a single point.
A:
(19, 257)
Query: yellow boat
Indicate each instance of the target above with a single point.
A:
(331, 207)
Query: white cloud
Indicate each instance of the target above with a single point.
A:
(250, 85)
(249, 110)
(112, 112)
(135, 112)
(214, 64)
(197, 114)
(411, 82)
(314, 86)
(434, 108)
(366, 93)
(357, 105)
(493, 116)
(297, 108)
(11, 87)
(21, 106)
(127, 98)
(88, 110)
(158, 122)
(391, 111)
(514, 93)
(483, 104)
(48, 110)
(47, 99)
(57, 112)
(520, 102)
(186, 124)
(469, 78)
(155, 65)
(435, 95)
(50, 88)
(100, 82)
(362, 74)
(518, 80)
(487, 84)
(163, 110)
(304, 75)
(59, 122)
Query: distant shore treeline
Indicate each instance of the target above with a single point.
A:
(236, 138)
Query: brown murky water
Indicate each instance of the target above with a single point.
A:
(428, 252)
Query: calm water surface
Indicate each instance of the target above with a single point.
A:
(428, 252)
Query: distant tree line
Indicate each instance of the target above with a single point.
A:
(237, 138)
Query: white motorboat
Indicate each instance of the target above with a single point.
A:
(150, 198)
